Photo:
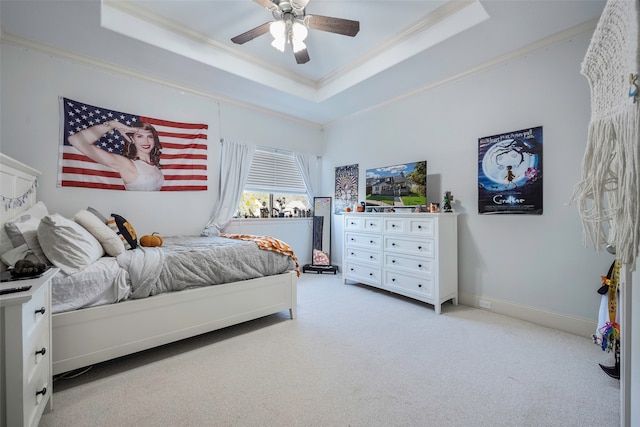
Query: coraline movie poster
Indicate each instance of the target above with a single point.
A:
(510, 172)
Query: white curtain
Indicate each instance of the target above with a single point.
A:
(308, 165)
(235, 163)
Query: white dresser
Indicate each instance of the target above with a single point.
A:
(412, 254)
(25, 332)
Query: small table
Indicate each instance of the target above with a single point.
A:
(319, 269)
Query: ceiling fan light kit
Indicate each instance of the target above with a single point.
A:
(291, 24)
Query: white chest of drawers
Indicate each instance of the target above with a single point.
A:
(412, 254)
(25, 371)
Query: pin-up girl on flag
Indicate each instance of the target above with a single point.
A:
(139, 164)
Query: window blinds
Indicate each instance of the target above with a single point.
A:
(274, 172)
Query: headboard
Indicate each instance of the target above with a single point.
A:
(18, 183)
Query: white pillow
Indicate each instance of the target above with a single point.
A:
(24, 229)
(67, 244)
(108, 238)
(15, 254)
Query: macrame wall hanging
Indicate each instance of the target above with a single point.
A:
(608, 195)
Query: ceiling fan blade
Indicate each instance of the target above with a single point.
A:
(346, 27)
(251, 34)
(267, 4)
(302, 56)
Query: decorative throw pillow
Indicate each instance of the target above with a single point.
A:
(98, 214)
(15, 255)
(67, 244)
(125, 230)
(108, 238)
(24, 229)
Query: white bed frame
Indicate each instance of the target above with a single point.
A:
(85, 337)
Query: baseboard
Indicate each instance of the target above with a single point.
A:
(571, 324)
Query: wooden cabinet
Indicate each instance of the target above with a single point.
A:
(26, 371)
(412, 254)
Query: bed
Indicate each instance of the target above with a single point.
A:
(116, 323)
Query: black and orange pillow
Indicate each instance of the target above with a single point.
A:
(124, 229)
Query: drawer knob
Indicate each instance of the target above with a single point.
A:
(41, 311)
(370, 241)
(41, 352)
(420, 247)
(393, 225)
(42, 392)
(393, 261)
(371, 256)
(393, 279)
(419, 227)
(419, 265)
(353, 223)
(419, 285)
(351, 269)
(352, 253)
(393, 244)
(370, 274)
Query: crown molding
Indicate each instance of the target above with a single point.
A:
(20, 42)
(560, 37)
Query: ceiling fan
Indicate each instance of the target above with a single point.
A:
(290, 26)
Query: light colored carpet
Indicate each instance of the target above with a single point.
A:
(355, 356)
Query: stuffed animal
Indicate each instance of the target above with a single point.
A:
(24, 268)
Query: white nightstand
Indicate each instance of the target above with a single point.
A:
(25, 343)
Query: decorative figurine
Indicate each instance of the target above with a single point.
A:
(446, 202)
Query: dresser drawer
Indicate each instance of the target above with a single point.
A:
(37, 393)
(422, 286)
(35, 311)
(352, 223)
(422, 226)
(394, 225)
(424, 248)
(372, 241)
(416, 265)
(359, 254)
(365, 273)
(373, 224)
(37, 352)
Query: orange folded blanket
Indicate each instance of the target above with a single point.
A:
(267, 243)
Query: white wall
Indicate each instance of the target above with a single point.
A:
(31, 83)
(533, 267)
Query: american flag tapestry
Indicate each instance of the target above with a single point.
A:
(107, 149)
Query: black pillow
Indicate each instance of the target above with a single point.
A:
(125, 230)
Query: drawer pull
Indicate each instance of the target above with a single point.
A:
(42, 392)
(41, 311)
(41, 352)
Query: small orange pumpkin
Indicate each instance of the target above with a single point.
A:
(151, 240)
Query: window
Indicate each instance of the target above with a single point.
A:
(274, 187)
